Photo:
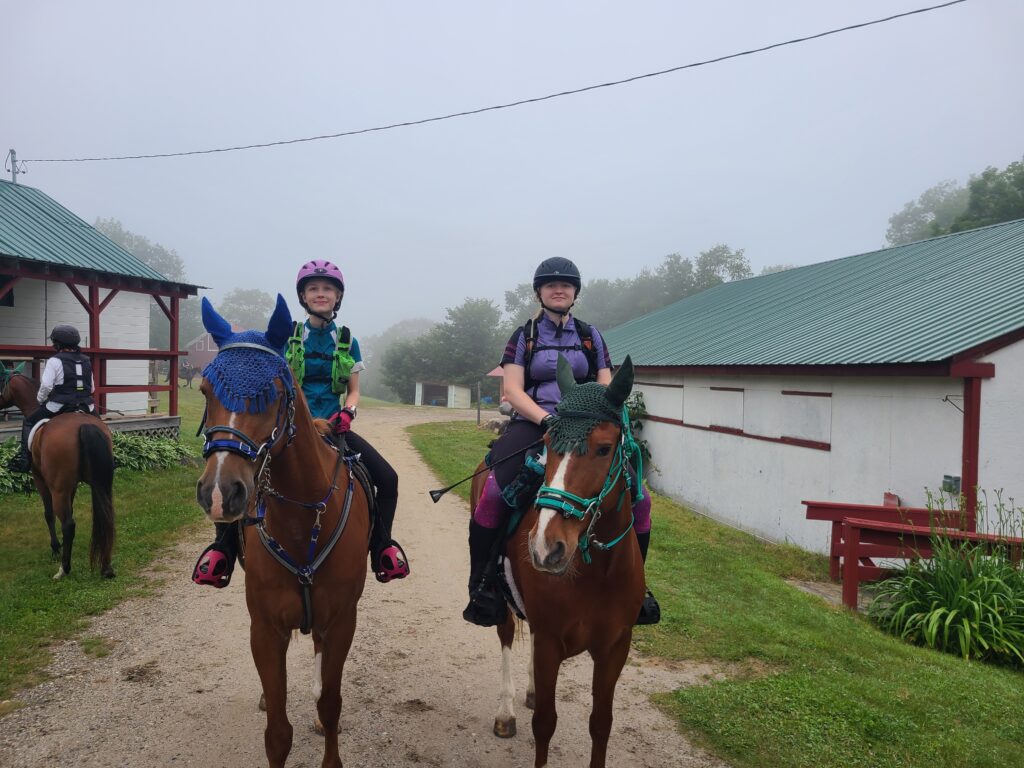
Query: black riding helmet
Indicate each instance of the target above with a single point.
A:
(557, 269)
(65, 336)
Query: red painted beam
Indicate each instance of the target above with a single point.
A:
(971, 447)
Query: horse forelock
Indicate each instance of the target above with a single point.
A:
(244, 379)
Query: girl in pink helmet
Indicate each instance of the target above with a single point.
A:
(326, 362)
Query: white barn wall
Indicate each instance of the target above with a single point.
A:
(886, 435)
(1001, 455)
(40, 305)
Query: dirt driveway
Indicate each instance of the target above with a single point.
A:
(179, 687)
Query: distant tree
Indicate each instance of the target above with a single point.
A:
(374, 348)
(169, 264)
(771, 269)
(247, 307)
(520, 303)
(995, 196)
(718, 265)
(458, 351)
(932, 214)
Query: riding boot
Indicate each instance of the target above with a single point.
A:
(650, 611)
(22, 460)
(486, 606)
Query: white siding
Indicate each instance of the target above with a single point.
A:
(1001, 455)
(886, 434)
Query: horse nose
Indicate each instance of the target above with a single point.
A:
(236, 496)
(555, 555)
(203, 496)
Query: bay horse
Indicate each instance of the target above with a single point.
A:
(293, 578)
(69, 449)
(575, 561)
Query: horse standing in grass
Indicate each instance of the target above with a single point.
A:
(295, 579)
(575, 561)
(68, 449)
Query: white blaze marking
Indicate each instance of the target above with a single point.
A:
(217, 498)
(318, 683)
(540, 543)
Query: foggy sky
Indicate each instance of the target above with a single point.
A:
(797, 155)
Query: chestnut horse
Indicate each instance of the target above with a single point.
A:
(293, 578)
(575, 561)
(69, 449)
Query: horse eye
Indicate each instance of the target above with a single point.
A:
(604, 450)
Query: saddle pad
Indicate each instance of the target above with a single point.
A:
(512, 595)
(32, 432)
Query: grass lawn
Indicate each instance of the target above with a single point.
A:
(807, 684)
(152, 511)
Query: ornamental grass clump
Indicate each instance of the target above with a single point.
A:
(964, 600)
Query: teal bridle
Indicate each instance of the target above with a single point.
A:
(569, 505)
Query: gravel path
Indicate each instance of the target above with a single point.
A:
(420, 687)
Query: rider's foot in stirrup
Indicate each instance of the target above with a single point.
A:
(650, 611)
(20, 462)
(487, 606)
(214, 567)
(391, 563)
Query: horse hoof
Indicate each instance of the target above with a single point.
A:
(531, 699)
(262, 706)
(108, 573)
(59, 574)
(506, 729)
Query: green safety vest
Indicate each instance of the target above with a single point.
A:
(341, 364)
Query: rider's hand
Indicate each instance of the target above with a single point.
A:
(341, 422)
(547, 422)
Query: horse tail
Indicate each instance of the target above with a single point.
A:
(98, 470)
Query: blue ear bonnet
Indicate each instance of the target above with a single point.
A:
(243, 378)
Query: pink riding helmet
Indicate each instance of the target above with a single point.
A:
(322, 269)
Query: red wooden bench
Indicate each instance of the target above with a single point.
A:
(866, 538)
(836, 512)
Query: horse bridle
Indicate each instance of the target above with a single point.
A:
(245, 446)
(571, 506)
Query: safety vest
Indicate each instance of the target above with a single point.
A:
(342, 361)
(76, 389)
(586, 346)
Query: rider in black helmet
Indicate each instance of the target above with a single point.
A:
(65, 385)
(529, 364)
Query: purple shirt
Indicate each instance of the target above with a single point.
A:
(540, 381)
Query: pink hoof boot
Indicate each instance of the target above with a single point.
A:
(213, 568)
(392, 563)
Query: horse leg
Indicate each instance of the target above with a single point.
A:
(505, 720)
(269, 646)
(334, 649)
(546, 661)
(44, 494)
(607, 668)
(318, 685)
(63, 502)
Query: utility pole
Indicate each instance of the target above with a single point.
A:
(13, 157)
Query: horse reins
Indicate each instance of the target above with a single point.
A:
(245, 446)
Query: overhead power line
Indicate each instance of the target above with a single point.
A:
(509, 105)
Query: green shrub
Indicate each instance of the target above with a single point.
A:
(131, 452)
(962, 600)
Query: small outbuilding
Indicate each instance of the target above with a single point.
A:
(443, 395)
(899, 371)
(56, 268)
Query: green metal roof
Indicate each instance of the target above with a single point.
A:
(35, 227)
(917, 303)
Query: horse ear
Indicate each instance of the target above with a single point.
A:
(564, 377)
(280, 326)
(218, 327)
(622, 383)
